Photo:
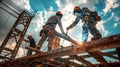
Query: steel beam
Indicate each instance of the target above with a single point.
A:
(81, 59)
(16, 34)
(101, 44)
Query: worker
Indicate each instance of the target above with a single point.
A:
(32, 44)
(89, 20)
(49, 28)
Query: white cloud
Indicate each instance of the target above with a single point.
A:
(20, 53)
(110, 17)
(38, 20)
(115, 24)
(58, 3)
(67, 9)
(117, 18)
(110, 4)
(66, 6)
(82, 3)
(48, 14)
(116, 5)
(67, 14)
(24, 4)
(68, 18)
(101, 28)
(12, 45)
(85, 1)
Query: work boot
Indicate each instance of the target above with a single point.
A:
(96, 36)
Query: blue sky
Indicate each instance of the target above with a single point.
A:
(110, 17)
(109, 10)
(40, 5)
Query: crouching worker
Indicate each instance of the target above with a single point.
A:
(32, 44)
(49, 28)
(90, 20)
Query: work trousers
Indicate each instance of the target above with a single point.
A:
(86, 28)
(47, 33)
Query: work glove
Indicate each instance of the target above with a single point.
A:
(64, 33)
(41, 32)
(71, 26)
(68, 28)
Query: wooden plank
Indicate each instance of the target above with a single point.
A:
(118, 52)
(88, 56)
(66, 61)
(83, 61)
(108, 54)
(98, 57)
(111, 64)
(33, 49)
(101, 44)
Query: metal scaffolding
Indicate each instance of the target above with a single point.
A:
(54, 59)
(16, 35)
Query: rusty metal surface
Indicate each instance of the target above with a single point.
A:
(104, 43)
(33, 49)
(81, 59)
(98, 57)
(16, 34)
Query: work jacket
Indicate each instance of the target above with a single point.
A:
(53, 21)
